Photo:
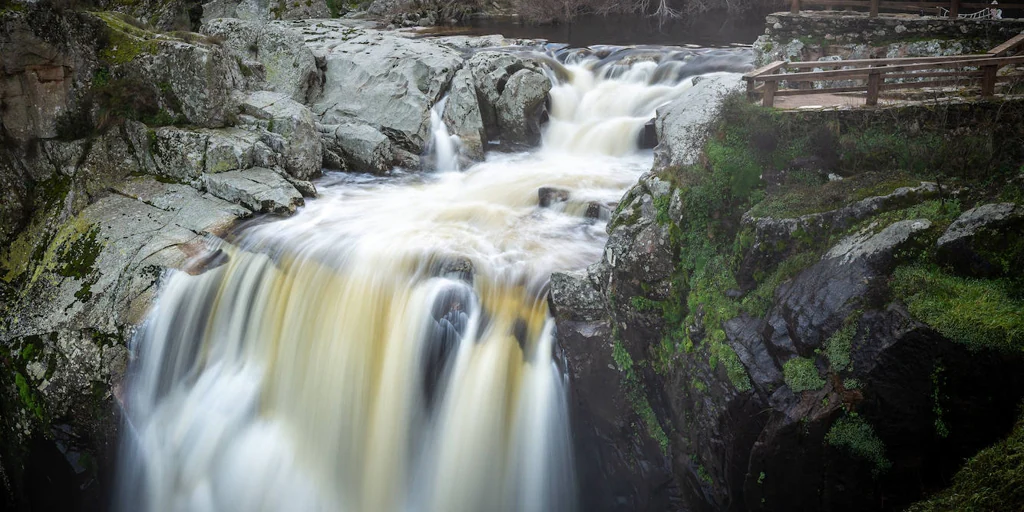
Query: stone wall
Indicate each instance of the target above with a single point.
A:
(853, 35)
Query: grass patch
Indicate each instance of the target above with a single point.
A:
(637, 398)
(856, 436)
(801, 375)
(980, 313)
(989, 481)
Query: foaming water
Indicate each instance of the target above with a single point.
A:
(388, 348)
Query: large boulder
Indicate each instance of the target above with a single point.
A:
(354, 146)
(986, 241)
(682, 125)
(271, 57)
(522, 107)
(386, 81)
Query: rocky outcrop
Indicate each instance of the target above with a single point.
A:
(270, 57)
(265, 10)
(291, 131)
(48, 59)
(682, 125)
(354, 146)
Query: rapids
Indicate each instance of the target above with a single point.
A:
(389, 346)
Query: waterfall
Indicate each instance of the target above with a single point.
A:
(388, 347)
(443, 147)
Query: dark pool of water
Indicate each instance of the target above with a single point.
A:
(710, 30)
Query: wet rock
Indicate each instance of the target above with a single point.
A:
(547, 196)
(986, 241)
(681, 125)
(598, 211)
(354, 146)
(271, 57)
(522, 107)
(462, 115)
(491, 71)
(301, 147)
(258, 189)
(648, 137)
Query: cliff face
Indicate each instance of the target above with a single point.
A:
(784, 322)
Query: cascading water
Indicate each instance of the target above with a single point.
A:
(388, 347)
(443, 147)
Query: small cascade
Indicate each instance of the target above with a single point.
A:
(444, 148)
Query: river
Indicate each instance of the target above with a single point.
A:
(389, 346)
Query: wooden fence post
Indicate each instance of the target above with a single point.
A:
(988, 80)
(954, 9)
(874, 9)
(874, 81)
(768, 98)
(794, 7)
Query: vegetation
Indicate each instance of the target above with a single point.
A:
(990, 480)
(980, 313)
(637, 398)
(801, 375)
(855, 435)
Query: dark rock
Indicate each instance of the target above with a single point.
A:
(648, 137)
(547, 196)
(986, 241)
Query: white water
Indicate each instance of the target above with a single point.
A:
(444, 147)
(346, 359)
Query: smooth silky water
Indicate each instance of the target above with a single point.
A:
(388, 347)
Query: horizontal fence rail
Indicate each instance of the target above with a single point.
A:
(873, 6)
(780, 77)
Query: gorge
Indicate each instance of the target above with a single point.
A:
(309, 264)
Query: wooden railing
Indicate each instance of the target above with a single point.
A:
(873, 6)
(906, 73)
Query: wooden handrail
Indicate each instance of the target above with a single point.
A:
(915, 71)
(1006, 47)
(862, 72)
(873, 6)
(880, 62)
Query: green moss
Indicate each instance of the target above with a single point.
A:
(703, 474)
(989, 481)
(801, 375)
(28, 396)
(851, 384)
(980, 313)
(637, 398)
(856, 436)
(837, 346)
(125, 41)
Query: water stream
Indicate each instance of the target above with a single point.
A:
(389, 348)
